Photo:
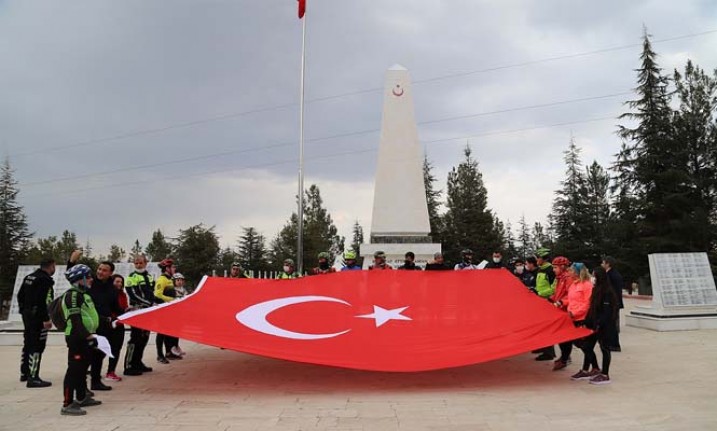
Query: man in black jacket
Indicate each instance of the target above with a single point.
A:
(618, 284)
(35, 294)
(497, 261)
(408, 263)
(438, 263)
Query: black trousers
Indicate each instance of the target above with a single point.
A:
(588, 347)
(116, 342)
(78, 361)
(138, 339)
(96, 356)
(34, 341)
(160, 341)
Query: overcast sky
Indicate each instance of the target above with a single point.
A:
(121, 117)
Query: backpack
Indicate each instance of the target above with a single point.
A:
(57, 314)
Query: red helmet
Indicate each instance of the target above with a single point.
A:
(561, 261)
(166, 263)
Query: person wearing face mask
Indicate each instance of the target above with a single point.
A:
(497, 261)
(35, 294)
(140, 289)
(288, 270)
(379, 262)
(350, 263)
(466, 262)
(324, 266)
(409, 263)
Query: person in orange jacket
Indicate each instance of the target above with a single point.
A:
(559, 299)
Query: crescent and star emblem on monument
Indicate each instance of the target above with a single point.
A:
(255, 316)
(398, 91)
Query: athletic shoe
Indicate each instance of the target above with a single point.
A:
(581, 375)
(600, 379)
(181, 352)
(594, 372)
(73, 410)
(559, 365)
(99, 386)
(113, 376)
(177, 351)
(172, 356)
(23, 378)
(89, 393)
(162, 360)
(88, 401)
(143, 368)
(37, 383)
(544, 357)
(132, 372)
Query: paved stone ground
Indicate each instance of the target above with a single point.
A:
(661, 381)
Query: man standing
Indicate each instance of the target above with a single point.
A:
(618, 284)
(324, 266)
(496, 262)
(350, 263)
(545, 288)
(438, 263)
(236, 271)
(288, 270)
(140, 289)
(379, 262)
(467, 262)
(529, 274)
(35, 294)
(409, 263)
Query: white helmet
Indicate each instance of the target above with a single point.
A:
(177, 276)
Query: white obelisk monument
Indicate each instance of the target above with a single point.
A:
(400, 213)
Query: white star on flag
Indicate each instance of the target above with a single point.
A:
(381, 315)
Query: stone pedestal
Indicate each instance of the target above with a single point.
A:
(683, 294)
(395, 253)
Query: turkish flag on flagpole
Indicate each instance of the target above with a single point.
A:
(302, 8)
(367, 320)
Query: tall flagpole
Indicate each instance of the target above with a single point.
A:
(300, 239)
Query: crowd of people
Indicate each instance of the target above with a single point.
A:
(92, 305)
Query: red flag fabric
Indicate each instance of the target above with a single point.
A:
(368, 320)
(302, 8)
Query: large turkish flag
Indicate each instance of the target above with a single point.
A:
(369, 320)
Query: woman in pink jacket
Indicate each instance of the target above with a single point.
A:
(578, 306)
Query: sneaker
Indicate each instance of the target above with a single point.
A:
(89, 393)
(544, 357)
(132, 372)
(99, 386)
(615, 348)
(37, 383)
(600, 379)
(172, 356)
(143, 368)
(88, 401)
(581, 375)
(23, 378)
(162, 360)
(177, 352)
(114, 377)
(559, 365)
(594, 372)
(73, 410)
(181, 352)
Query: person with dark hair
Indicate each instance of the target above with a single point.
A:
(104, 297)
(324, 266)
(544, 286)
(618, 284)
(379, 262)
(140, 289)
(117, 338)
(601, 319)
(164, 292)
(466, 262)
(530, 273)
(35, 294)
(438, 263)
(496, 261)
(409, 263)
(236, 271)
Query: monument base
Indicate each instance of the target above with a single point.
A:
(662, 320)
(395, 253)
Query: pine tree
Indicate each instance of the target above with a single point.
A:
(597, 205)
(135, 251)
(14, 233)
(117, 253)
(469, 223)
(357, 237)
(569, 207)
(539, 238)
(526, 247)
(252, 250)
(433, 200)
(227, 257)
(66, 245)
(197, 252)
(320, 233)
(509, 247)
(158, 248)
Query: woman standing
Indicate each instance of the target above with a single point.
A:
(117, 335)
(601, 319)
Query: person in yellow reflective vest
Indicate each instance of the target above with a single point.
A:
(288, 270)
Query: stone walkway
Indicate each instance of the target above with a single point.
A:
(661, 381)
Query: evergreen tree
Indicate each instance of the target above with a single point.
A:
(66, 245)
(135, 251)
(117, 253)
(356, 241)
(539, 237)
(526, 247)
(320, 233)
(252, 250)
(158, 248)
(227, 257)
(14, 233)
(469, 223)
(509, 247)
(433, 200)
(569, 207)
(197, 252)
(597, 205)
